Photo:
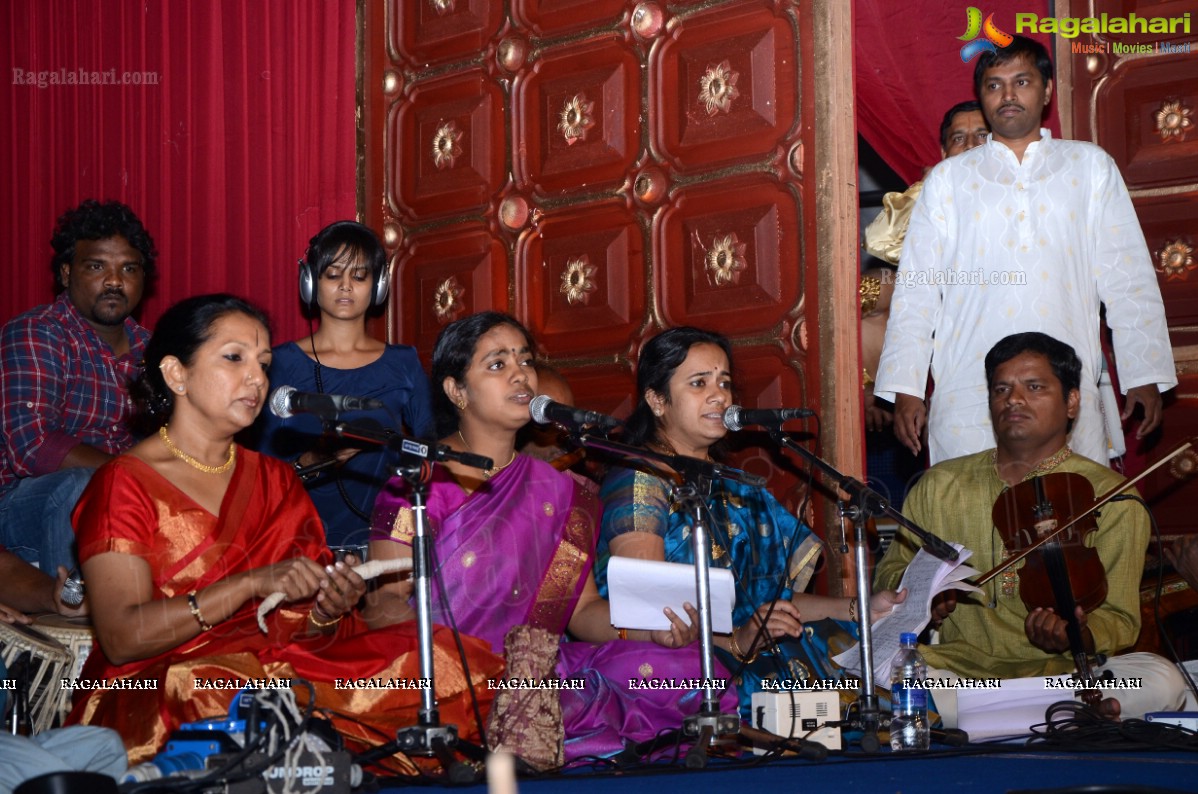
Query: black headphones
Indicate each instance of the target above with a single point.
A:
(345, 231)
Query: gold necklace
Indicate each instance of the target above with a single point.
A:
(491, 472)
(195, 464)
(1044, 466)
(667, 448)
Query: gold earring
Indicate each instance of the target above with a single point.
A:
(462, 405)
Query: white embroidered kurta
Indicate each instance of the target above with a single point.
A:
(996, 247)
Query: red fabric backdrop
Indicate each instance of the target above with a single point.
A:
(236, 147)
(908, 72)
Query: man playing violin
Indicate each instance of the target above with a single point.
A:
(1033, 384)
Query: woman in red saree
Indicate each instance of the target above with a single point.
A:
(183, 536)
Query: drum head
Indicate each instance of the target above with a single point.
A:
(28, 638)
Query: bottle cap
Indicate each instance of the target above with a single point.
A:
(907, 638)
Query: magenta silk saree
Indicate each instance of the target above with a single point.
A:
(519, 550)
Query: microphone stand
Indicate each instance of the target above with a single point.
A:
(697, 475)
(428, 737)
(863, 503)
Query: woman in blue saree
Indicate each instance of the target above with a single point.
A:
(684, 383)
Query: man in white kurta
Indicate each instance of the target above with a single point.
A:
(1024, 233)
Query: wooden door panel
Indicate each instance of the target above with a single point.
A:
(576, 113)
(454, 128)
(554, 17)
(1170, 489)
(724, 86)
(427, 32)
(447, 275)
(580, 280)
(727, 252)
(1170, 226)
(1139, 114)
(606, 169)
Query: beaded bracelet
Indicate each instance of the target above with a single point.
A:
(194, 606)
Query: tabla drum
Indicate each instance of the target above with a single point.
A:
(76, 635)
(38, 664)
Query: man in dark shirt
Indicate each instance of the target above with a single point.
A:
(64, 374)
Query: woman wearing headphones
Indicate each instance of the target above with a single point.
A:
(343, 277)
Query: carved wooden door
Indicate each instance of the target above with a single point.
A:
(605, 169)
(1142, 108)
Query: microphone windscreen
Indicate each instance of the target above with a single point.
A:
(280, 401)
(538, 407)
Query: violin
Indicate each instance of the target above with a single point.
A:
(1060, 523)
(1046, 519)
(1110, 495)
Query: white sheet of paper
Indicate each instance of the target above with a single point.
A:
(925, 577)
(638, 590)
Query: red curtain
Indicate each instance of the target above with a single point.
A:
(908, 72)
(233, 138)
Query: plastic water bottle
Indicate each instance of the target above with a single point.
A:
(909, 728)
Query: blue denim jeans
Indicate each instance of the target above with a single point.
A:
(77, 748)
(35, 518)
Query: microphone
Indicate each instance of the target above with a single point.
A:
(545, 410)
(72, 589)
(286, 401)
(736, 417)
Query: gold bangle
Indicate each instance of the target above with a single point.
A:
(194, 606)
(321, 624)
(852, 610)
(738, 653)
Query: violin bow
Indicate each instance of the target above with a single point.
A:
(1098, 504)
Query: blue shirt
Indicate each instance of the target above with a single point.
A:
(398, 380)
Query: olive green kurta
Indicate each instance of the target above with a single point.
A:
(954, 499)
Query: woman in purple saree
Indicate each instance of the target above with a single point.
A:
(514, 547)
